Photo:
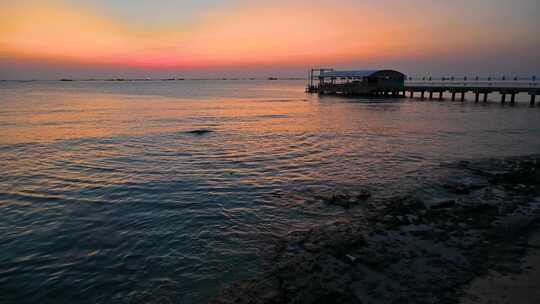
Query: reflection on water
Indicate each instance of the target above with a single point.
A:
(106, 198)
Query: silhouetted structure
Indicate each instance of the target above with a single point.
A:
(361, 82)
(392, 83)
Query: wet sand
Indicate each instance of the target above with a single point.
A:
(522, 287)
(425, 247)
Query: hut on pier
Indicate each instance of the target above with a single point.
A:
(361, 82)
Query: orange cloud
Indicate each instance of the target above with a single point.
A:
(53, 31)
(241, 34)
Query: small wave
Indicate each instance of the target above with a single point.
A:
(273, 116)
(281, 100)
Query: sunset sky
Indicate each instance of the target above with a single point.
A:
(161, 38)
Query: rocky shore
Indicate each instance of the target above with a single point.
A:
(418, 248)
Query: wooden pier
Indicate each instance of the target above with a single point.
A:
(390, 83)
(481, 90)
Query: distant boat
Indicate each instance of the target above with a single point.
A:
(272, 78)
(66, 79)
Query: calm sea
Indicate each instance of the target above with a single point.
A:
(105, 196)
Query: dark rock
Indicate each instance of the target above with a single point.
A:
(363, 195)
(340, 200)
(345, 199)
(458, 188)
(200, 132)
(443, 204)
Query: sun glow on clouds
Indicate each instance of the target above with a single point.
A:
(240, 34)
(59, 32)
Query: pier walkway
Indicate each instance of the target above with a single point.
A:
(481, 89)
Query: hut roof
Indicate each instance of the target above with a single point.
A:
(360, 73)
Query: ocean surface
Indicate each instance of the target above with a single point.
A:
(106, 196)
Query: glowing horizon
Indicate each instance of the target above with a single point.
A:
(227, 34)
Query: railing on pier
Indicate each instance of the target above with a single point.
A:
(478, 86)
(513, 82)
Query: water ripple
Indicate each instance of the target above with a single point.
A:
(105, 198)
